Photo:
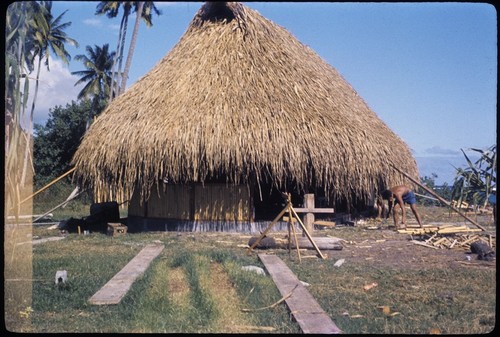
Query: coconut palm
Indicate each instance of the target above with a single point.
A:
(111, 9)
(47, 35)
(16, 30)
(144, 10)
(97, 76)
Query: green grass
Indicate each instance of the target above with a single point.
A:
(460, 301)
(148, 307)
(179, 293)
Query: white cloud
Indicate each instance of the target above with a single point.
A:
(438, 150)
(93, 22)
(56, 87)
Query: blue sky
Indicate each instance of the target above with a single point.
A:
(428, 70)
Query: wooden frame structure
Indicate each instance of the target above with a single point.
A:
(291, 214)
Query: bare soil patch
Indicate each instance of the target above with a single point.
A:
(377, 243)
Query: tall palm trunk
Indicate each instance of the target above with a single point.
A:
(132, 46)
(122, 46)
(115, 74)
(30, 125)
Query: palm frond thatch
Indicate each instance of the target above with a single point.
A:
(239, 96)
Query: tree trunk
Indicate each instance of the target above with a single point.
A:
(132, 46)
(113, 72)
(120, 57)
(30, 125)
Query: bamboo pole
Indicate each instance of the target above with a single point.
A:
(267, 230)
(293, 230)
(48, 185)
(438, 197)
(307, 234)
(60, 205)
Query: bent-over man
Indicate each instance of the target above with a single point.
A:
(402, 194)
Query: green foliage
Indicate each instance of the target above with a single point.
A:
(444, 191)
(56, 141)
(96, 76)
(475, 183)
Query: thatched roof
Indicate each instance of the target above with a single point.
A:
(239, 96)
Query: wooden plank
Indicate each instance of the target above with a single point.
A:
(423, 244)
(321, 242)
(116, 288)
(325, 223)
(304, 308)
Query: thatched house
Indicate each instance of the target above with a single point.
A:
(237, 111)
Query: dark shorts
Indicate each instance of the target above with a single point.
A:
(410, 198)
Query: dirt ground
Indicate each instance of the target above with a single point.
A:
(378, 243)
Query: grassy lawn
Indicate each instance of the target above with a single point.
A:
(196, 285)
(192, 287)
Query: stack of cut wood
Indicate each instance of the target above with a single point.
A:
(448, 236)
(441, 229)
(460, 241)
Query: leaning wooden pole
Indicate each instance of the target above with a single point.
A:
(438, 197)
(60, 205)
(48, 185)
(267, 230)
(307, 234)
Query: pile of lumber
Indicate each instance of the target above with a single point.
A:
(448, 236)
(446, 241)
(441, 229)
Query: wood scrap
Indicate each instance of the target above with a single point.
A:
(423, 244)
(274, 304)
(452, 240)
(252, 328)
(324, 223)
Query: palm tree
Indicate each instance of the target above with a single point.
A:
(16, 36)
(97, 76)
(47, 35)
(111, 9)
(144, 10)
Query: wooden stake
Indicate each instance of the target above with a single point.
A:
(294, 232)
(307, 234)
(267, 230)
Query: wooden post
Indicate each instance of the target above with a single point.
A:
(288, 208)
(309, 217)
(309, 211)
(307, 234)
